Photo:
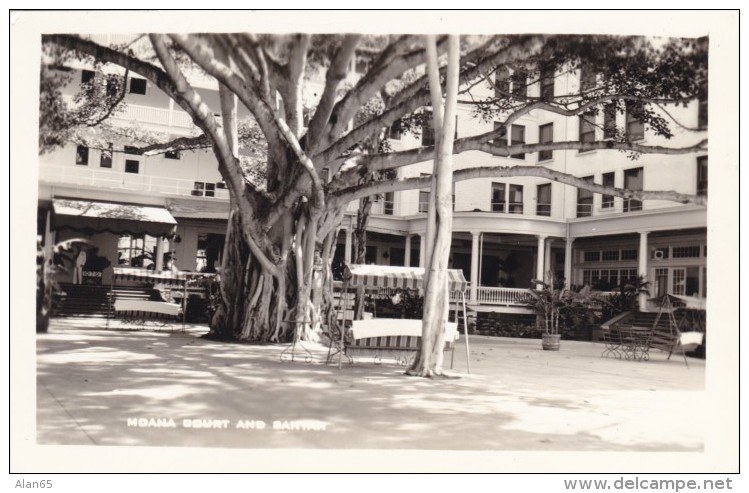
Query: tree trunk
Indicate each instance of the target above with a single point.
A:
(360, 249)
(428, 361)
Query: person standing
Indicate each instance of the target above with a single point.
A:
(80, 261)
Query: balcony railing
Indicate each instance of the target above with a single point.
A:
(502, 296)
(86, 176)
(175, 119)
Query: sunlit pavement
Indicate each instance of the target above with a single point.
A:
(99, 386)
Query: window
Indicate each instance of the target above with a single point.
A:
(607, 201)
(361, 65)
(172, 155)
(132, 166)
(609, 121)
(105, 159)
(587, 128)
(585, 200)
(543, 200)
(209, 252)
(395, 130)
(545, 136)
(517, 137)
(132, 150)
(427, 131)
(221, 185)
(609, 255)
(547, 83)
(635, 128)
(203, 189)
(702, 108)
(498, 197)
(137, 86)
(87, 76)
(587, 78)
(702, 176)
(136, 250)
(388, 205)
(686, 251)
(520, 84)
(424, 197)
(592, 256)
(630, 254)
(501, 82)
(81, 155)
(633, 180)
(516, 199)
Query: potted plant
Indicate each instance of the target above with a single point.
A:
(560, 308)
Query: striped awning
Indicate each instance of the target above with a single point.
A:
(91, 217)
(166, 278)
(399, 277)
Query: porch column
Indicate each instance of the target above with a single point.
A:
(159, 254)
(422, 249)
(568, 262)
(540, 260)
(474, 294)
(49, 236)
(642, 266)
(407, 257)
(347, 251)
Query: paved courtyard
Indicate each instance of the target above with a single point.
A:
(170, 388)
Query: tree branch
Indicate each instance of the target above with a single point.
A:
(336, 73)
(343, 197)
(417, 95)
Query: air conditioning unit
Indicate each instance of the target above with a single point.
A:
(658, 254)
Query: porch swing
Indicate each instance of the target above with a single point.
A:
(669, 336)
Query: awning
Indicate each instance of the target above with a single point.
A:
(399, 277)
(199, 210)
(166, 278)
(97, 217)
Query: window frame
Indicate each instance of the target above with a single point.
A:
(549, 154)
(82, 155)
(543, 208)
(632, 121)
(608, 180)
(514, 141)
(583, 196)
(129, 163)
(107, 156)
(138, 81)
(631, 205)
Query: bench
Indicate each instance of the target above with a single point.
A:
(139, 312)
(392, 337)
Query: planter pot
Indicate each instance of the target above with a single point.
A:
(550, 342)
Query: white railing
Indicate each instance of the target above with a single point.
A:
(502, 296)
(146, 114)
(86, 176)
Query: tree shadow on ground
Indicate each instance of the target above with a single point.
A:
(126, 388)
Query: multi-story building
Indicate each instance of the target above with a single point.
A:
(507, 232)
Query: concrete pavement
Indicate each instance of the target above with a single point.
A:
(171, 388)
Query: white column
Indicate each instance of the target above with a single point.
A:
(49, 236)
(475, 235)
(540, 259)
(568, 262)
(347, 252)
(407, 257)
(159, 254)
(642, 266)
(422, 249)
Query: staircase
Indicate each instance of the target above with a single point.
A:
(80, 300)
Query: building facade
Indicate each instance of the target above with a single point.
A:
(151, 211)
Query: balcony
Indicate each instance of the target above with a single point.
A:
(85, 176)
(136, 114)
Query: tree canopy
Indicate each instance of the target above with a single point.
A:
(317, 154)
